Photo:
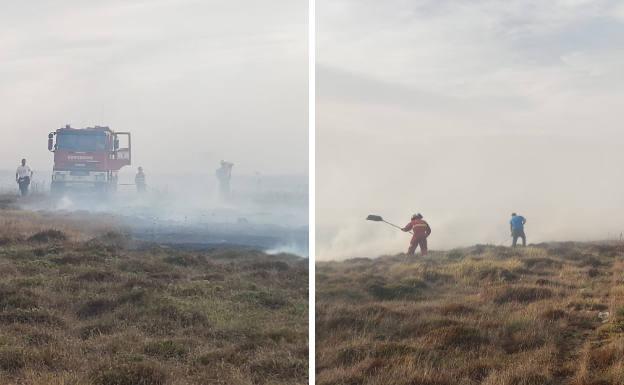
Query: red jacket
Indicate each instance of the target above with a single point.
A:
(420, 227)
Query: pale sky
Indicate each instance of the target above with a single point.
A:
(467, 111)
(195, 81)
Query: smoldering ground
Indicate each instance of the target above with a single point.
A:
(263, 212)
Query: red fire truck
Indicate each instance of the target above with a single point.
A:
(88, 158)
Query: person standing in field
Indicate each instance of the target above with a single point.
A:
(517, 229)
(421, 231)
(23, 175)
(139, 180)
(224, 175)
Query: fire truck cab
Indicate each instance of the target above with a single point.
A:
(88, 158)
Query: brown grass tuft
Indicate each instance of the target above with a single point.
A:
(456, 336)
(521, 294)
(130, 374)
(456, 309)
(12, 359)
(406, 290)
(45, 236)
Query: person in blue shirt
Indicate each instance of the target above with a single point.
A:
(517, 228)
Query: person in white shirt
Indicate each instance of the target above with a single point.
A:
(22, 176)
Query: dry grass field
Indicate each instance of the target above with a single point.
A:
(550, 314)
(83, 305)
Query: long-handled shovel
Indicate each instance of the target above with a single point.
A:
(379, 218)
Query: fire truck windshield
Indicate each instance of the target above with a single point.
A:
(81, 142)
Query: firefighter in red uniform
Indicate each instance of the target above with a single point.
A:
(421, 231)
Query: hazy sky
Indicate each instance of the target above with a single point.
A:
(467, 111)
(195, 81)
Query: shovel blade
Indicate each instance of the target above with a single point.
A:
(374, 218)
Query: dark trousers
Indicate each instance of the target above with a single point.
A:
(422, 242)
(23, 185)
(224, 190)
(518, 234)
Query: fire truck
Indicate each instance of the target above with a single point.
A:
(88, 159)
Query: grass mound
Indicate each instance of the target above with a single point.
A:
(48, 236)
(95, 307)
(130, 374)
(551, 314)
(395, 291)
(11, 359)
(15, 298)
(456, 309)
(521, 294)
(166, 349)
(34, 317)
(456, 336)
